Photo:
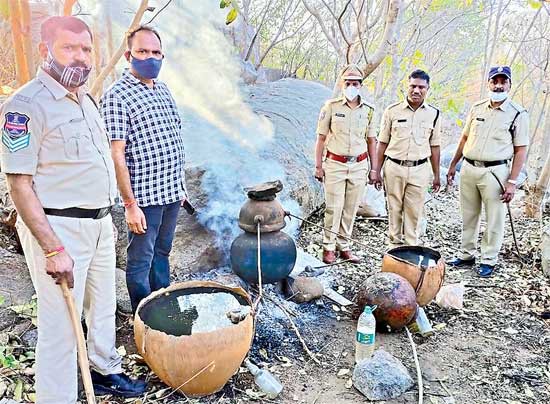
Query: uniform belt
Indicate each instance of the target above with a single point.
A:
(408, 163)
(79, 212)
(347, 159)
(493, 163)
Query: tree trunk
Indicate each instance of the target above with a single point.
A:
(21, 65)
(68, 7)
(27, 35)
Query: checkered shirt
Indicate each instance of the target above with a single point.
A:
(148, 120)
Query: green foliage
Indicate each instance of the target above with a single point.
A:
(7, 359)
(536, 4)
(225, 3)
(29, 310)
(4, 9)
(231, 16)
(2, 300)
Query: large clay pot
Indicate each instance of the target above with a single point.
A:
(278, 256)
(394, 297)
(423, 267)
(199, 364)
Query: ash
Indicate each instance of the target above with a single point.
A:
(274, 337)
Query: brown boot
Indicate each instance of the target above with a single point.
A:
(329, 257)
(348, 256)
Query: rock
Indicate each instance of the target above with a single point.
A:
(303, 289)
(381, 377)
(30, 338)
(15, 285)
(122, 296)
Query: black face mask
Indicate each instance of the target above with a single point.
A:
(70, 76)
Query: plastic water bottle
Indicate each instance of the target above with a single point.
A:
(265, 380)
(365, 337)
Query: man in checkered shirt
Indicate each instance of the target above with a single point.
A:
(143, 122)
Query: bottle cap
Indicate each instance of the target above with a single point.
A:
(369, 309)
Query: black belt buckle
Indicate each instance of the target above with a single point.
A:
(408, 163)
(102, 212)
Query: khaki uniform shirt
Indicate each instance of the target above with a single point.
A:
(488, 131)
(409, 133)
(59, 139)
(347, 129)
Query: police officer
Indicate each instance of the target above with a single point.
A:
(409, 137)
(495, 133)
(345, 131)
(56, 157)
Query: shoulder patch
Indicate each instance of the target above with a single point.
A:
(15, 133)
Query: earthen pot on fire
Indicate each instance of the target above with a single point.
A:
(423, 267)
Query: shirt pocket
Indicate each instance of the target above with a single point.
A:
(101, 135)
(400, 130)
(338, 124)
(423, 133)
(360, 126)
(477, 127)
(77, 139)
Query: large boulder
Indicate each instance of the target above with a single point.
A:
(218, 167)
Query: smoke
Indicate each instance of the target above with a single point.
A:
(222, 135)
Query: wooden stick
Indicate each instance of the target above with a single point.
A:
(81, 344)
(296, 330)
(97, 86)
(418, 371)
(21, 66)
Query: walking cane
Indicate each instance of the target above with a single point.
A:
(80, 343)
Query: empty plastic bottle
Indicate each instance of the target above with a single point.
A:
(366, 333)
(264, 380)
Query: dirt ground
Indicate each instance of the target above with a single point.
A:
(495, 350)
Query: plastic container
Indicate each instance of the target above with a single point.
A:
(265, 380)
(366, 334)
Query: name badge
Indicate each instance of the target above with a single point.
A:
(401, 120)
(340, 115)
(480, 119)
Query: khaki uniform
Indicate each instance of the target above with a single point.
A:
(488, 139)
(347, 131)
(59, 139)
(409, 135)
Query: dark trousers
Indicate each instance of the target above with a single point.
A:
(147, 267)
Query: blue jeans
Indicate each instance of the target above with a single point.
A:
(147, 267)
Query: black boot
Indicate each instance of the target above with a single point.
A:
(117, 385)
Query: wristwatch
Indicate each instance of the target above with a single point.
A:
(513, 182)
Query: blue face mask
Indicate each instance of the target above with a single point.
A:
(147, 68)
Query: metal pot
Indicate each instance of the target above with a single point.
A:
(270, 215)
(278, 256)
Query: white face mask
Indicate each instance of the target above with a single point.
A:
(498, 97)
(351, 92)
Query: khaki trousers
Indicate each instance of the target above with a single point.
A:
(479, 187)
(91, 245)
(406, 192)
(344, 186)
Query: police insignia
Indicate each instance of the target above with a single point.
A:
(15, 133)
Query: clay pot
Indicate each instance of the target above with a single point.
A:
(270, 215)
(423, 267)
(394, 297)
(199, 364)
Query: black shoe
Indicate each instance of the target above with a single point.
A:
(485, 270)
(117, 385)
(459, 262)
